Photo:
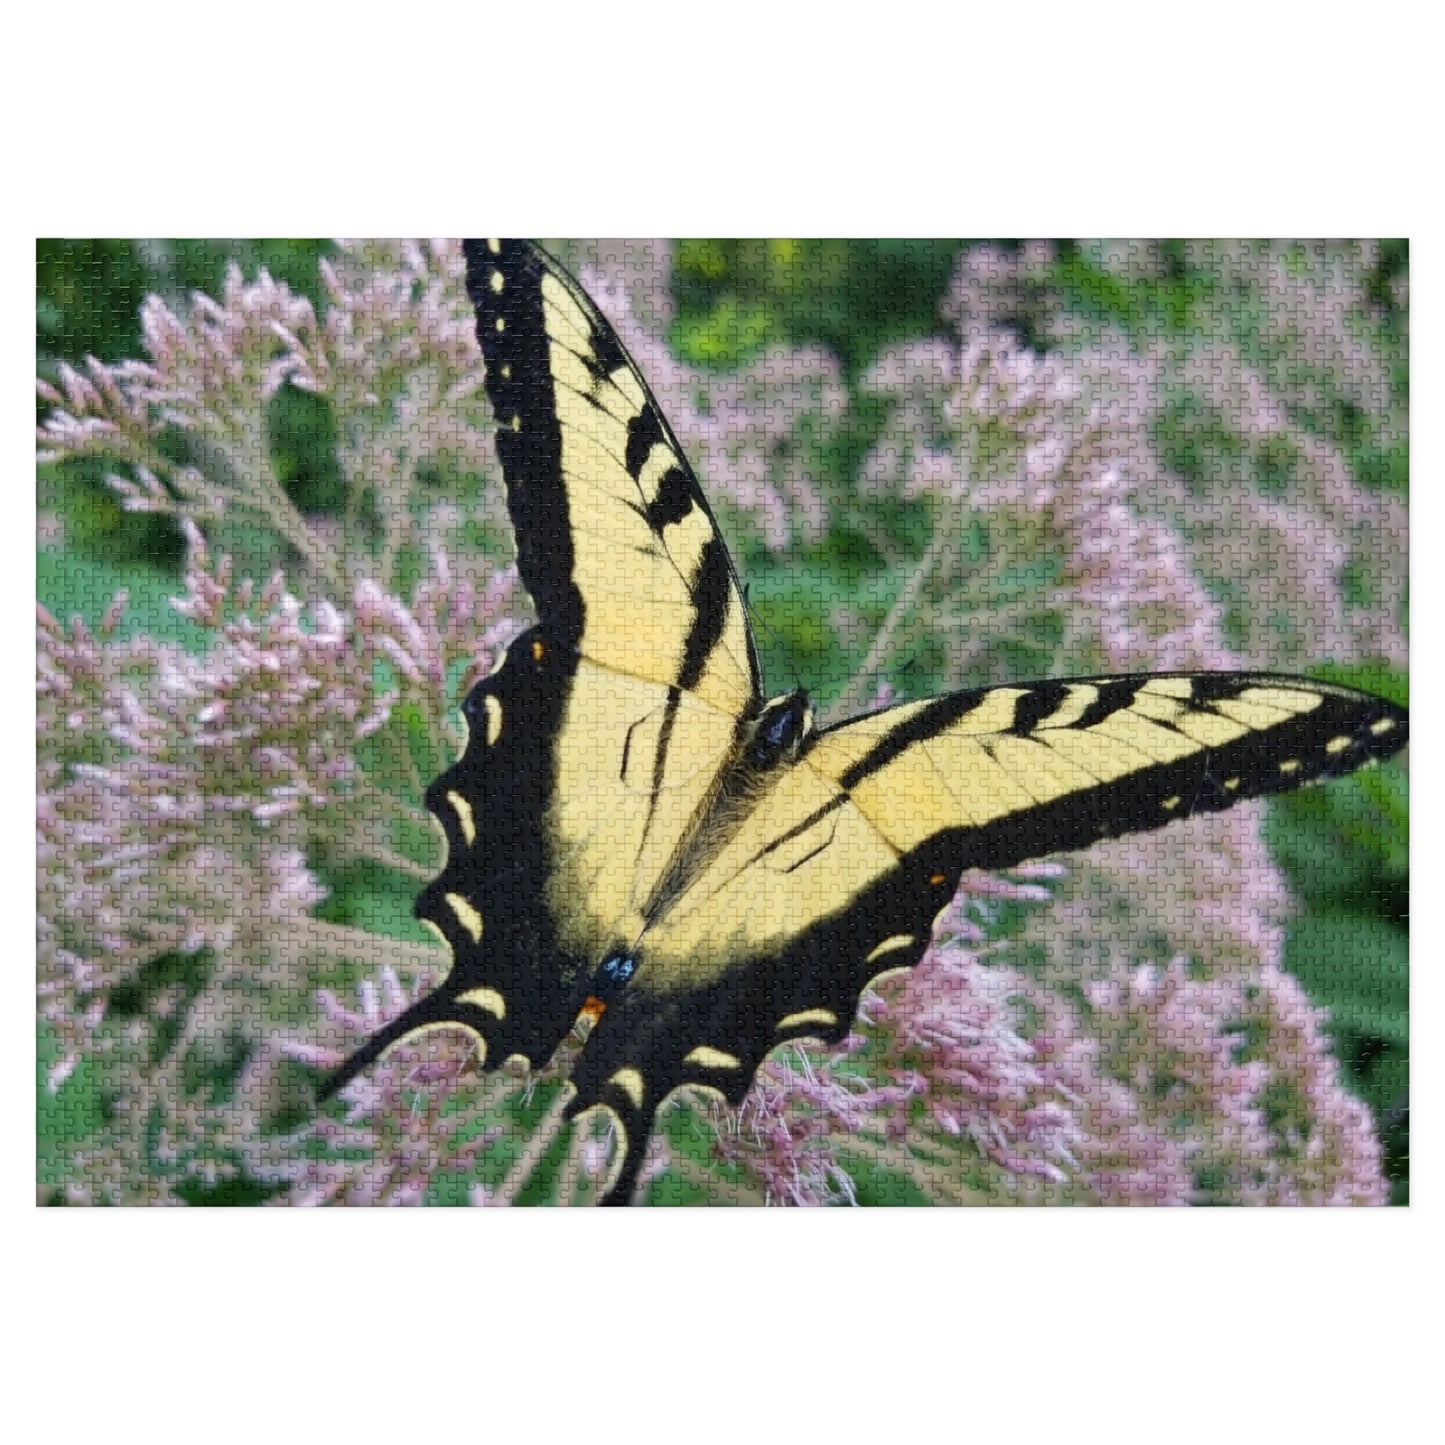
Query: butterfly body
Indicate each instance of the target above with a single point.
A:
(639, 836)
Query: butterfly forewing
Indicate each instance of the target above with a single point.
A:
(615, 541)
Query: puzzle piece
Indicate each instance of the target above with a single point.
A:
(708, 941)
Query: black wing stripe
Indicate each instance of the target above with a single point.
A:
(928, 722)
(518, 381)
(1043, 701)
(712, 587)
(1037, 703)
(1114, 695)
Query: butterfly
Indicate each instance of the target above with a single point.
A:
(641, 837)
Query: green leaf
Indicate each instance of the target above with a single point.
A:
(66, 1119)
(71, 585)
(1349, 840)
(239, 1191)
(690, 1136)
(877, 1185)
(1356, 965)
(1379, 677)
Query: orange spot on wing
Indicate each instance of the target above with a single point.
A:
(593, 1008)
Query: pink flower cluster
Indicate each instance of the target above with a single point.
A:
(181, 800)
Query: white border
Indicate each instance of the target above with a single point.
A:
(749, 118)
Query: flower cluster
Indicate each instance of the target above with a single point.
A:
(1256, 436)
(182, 800)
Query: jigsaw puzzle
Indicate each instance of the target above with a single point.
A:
(784, 722)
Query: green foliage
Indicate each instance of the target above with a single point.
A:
(878, 1185)
(514, 1120)
(854, 297)
(1144, 306)
(226, 1193)
(65, 1119)
(691, 1147)
(1359, 967)
(88, 300)
(366, 896)
(97, 528)
(1345, 851)
(71, 584)
(302, 436)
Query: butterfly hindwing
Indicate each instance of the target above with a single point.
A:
(511, 983)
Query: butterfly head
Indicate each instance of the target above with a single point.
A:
(781, 730)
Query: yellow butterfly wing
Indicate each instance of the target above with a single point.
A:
(843, 866)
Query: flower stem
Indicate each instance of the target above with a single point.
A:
(855, 693)
(530, 1157)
